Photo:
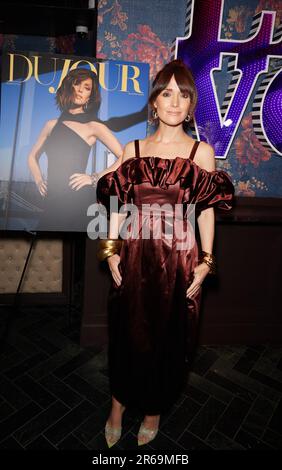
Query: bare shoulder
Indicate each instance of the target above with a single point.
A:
(128, 151)
(204, 156)
(50, 125)
(98, 127)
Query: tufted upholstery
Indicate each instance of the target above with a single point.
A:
(44, 271)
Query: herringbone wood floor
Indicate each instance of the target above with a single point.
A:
(54, 394)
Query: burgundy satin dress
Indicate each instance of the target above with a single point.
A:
(152, 324)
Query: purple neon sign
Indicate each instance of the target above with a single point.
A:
(203, 50)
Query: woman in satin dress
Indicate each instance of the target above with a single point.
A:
(154, 299)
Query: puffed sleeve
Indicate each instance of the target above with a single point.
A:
(113, 190)
(213, 189)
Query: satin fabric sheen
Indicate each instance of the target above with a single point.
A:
(152, 324)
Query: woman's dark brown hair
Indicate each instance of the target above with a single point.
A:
(65, 94)
(183, 77)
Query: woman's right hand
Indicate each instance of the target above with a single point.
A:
(113, 262)
(42, 187)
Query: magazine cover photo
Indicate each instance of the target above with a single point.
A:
(64, 123)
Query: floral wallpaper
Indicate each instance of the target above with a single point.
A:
(144, 31)
(138, 30)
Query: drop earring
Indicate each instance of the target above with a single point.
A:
(155, 114)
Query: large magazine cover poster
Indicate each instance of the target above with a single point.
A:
(63, 120)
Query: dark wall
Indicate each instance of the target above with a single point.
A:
(241, 304)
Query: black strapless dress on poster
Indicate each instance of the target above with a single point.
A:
(65, 208)
(152, 324)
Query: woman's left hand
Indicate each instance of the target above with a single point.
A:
(78, 180)
(200, 273)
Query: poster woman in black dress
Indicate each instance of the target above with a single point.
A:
(67, 142)
(155, 294)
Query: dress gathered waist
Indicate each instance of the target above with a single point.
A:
(176, 213)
